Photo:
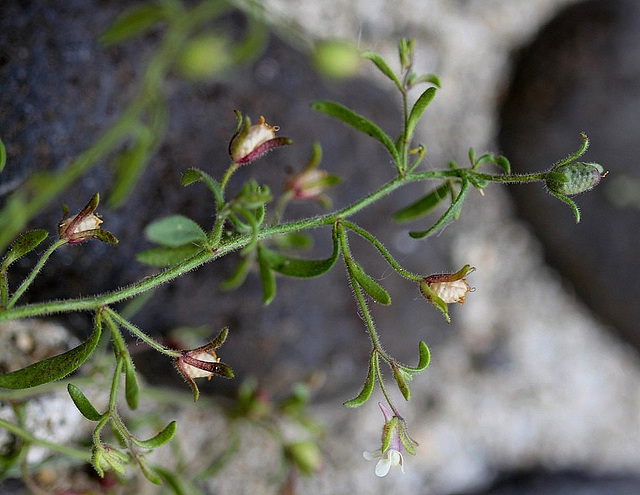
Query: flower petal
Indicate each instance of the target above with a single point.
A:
(382, 467)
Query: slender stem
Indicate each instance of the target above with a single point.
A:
(140, 334)
(36, 269)
(78, 454)
(357, 291)
(383, 386)
(512, 178)
(383, 251)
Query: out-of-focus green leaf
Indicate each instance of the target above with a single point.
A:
(423, 206)
(267, 279)
(175, 231)
(164, 256)
(134, 21)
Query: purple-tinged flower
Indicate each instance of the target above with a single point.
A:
(395, 439)
(202, 362)
(85, 225)
(252, 141)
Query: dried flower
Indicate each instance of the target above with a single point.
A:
(443, 288)
(85, 225)
(252, 141)
(395, 439)
(203, 362)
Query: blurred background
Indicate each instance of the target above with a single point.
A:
(533, 387)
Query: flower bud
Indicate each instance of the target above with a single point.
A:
(444, 288)
(252, 141)
(85, 225)
(574, 178)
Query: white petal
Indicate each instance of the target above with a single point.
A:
(382, 468)
(370, 456)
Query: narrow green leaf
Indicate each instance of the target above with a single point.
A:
(175, 231)
(399, 377)
(503, 163)
(296, 267)
(192, 175)
(267, 279)
(24, 244)
(448, 215)
(359, 123)
(133, 22)
(131, 387)
(128, 167)
(382, 66)
(239, 275)
(83, 404)
(423, 362)
(424, 205)
(163, 256)
(427, 78)
(369, 382)
(160, 439)
(53, 368)
(369, 285)
(3, 155)
(417, 110)
(148, 472)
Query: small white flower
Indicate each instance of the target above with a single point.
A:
(386, 460)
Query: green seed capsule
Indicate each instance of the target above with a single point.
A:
(574, 178)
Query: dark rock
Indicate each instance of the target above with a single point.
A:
(582, 73)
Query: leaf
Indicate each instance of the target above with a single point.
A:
(132, 390)
(424, 205)
(83, 404)
(163, 256)
(296, 267)
(129, 165)
(267, 279)
(370, 286)
(418, 108)
(448, 215)
(423, 362)
(399, 377)
(369, 382)
(24, 244)
(160, 439)
(382, 66)
(3, 155)
(175, 231)
(359, 123)
(192, 175)
(133, 22)
(53, 368)
(503, 163)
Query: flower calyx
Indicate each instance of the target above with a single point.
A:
(574, 178)
(203, 362)
(395, 440)
(310, 183)
(444, 288)
(252, 141)
(84, 225)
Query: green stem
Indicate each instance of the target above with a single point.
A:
(110, 313)
(383, 251)
(357, 291)
(78, 454)
(36, 269)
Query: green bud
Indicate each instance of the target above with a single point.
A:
(336, 59)
(305, 455)
(574, 178)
